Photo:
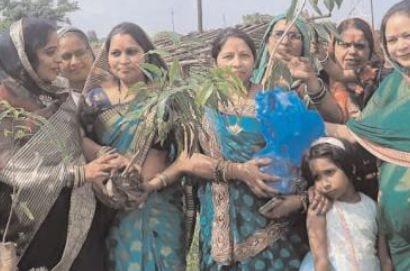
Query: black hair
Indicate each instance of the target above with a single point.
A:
(345, 159)
(79, 34)
(36, 34)
(361, 25)
(138, 34)
(400, 7)
(227, 33)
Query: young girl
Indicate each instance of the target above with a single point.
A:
(345, 238)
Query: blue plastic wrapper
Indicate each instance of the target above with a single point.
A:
(289, 128)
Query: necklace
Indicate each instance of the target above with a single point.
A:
(241, 106)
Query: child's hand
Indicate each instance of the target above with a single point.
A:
(318, 202)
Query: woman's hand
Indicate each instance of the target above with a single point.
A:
(168, 176)
(300, 68)
(283, 207)
(253, 177)
(99, 169)
(318, 203)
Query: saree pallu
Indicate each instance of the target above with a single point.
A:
(39, 170)
(233, 235)
(384, 131)
(150, 237)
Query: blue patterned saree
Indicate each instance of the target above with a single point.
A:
(150, 237)
(233, 234)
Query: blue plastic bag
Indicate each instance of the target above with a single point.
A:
(288, 128)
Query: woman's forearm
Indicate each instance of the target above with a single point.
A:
(327, 104)
(200, 165)
(90, 148)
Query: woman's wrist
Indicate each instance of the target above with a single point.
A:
(313, 85)
(76, 176)
(316, 90)
(233, 171)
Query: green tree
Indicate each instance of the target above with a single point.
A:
(53, 10)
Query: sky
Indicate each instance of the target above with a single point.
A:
(156, 15)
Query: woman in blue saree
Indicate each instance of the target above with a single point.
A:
(234, 235)
(148, 232)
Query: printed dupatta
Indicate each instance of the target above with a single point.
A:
(381, 128)
(36, 168)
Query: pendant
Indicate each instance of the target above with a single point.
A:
(235, 129)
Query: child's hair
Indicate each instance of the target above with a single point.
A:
(341, 152)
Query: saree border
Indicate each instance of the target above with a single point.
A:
(223, 249)
(383, 153)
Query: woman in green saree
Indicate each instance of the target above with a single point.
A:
(383, 130)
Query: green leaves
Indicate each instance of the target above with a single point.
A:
(324, 30)
(291, 10)
(330, 4)
(280, 76)
(177, 102)
(174, 74)
(55, 11)
(314, 5)
(218, 86)
(151, 71)
(338, 3)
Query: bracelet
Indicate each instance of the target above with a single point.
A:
(317, 97)
(79, 176)
(70, 176)
(325, 59)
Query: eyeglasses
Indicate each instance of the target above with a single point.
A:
(293, 36)
(355, 45)
(80, 53)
